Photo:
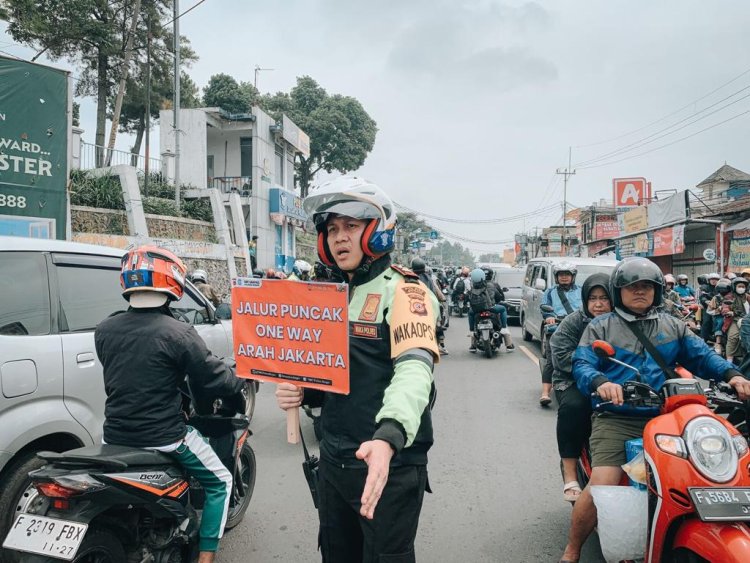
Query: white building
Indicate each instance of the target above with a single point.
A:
(250, 155)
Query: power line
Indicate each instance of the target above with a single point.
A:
(623, 135)
(669, 144)
(639, 143)
(475, 221)
(191, 8)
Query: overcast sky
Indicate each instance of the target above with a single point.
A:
(477, 101)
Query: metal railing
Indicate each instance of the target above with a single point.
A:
(94, 156)
(227, 184)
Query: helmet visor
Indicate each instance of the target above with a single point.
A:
(321, 207)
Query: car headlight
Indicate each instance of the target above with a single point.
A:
(711, 449)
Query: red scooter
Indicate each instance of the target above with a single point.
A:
(697, 469)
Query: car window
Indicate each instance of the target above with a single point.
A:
(529, 274)
(88, 295)
(24, 294)
(189, 310)
(542, 274)
(508, 278)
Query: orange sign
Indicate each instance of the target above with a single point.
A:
(631, 192)
(292, 331)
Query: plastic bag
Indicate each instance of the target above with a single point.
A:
(636, 469)
(622, 514)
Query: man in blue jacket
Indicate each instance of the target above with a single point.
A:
(564, 297)
(636, 288)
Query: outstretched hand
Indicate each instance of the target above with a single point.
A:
(741, 386)
(377, 455)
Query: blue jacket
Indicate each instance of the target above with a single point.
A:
(553, 299)
(671, 337)
(684, 290)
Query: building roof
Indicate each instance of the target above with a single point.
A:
(725, 174)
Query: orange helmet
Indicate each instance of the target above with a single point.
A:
(150, 268)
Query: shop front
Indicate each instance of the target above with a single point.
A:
(287, 215)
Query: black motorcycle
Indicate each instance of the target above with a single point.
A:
(115, 504)
(487, 336)
(460, 305)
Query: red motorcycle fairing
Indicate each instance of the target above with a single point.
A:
(715, 541)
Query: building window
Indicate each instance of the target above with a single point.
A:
(279, 165)
(246, 156)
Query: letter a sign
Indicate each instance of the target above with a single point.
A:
(631, 192)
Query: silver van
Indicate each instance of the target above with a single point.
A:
(52, 296)
(539, 277)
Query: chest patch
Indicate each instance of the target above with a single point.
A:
(362, 330)
(370, 309)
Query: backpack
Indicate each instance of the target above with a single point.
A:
(480, 299)
(460, 286)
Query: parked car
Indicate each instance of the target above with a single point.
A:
(52, 296)
(539, 277)
(512, 278)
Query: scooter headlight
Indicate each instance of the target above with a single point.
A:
(711, 449)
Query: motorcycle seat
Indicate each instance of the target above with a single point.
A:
(107, 455)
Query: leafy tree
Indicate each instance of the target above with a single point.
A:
(341, 132)
(492, 257)
(225, 92)
(451, 253)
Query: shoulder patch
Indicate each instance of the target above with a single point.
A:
(404, 271)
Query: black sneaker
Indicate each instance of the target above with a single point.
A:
(472, 348)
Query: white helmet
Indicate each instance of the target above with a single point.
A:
(357, 198)
(199, 276)
(669, 278)
(302, 267)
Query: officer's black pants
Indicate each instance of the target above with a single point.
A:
(547, 368)
(573, 421)
(347, 537)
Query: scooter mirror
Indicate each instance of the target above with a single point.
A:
(547, 309)
(603, 349)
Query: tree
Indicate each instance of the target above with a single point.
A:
(451, 253)
(341, 132)
(225, 92)
(491, 257)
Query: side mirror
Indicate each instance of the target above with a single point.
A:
(547, 308)
(224, 312)
(506, 290)
(603, 349)
(540, 284)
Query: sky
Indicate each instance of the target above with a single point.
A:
(478, 101)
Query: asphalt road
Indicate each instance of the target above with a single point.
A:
(493, 469)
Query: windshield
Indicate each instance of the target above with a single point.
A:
(584, 271)
(509, 278)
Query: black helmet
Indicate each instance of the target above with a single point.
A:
(418, 266)
(632, 270)
(489, 273)
(738, 281)
(702, 280)
(723, 286)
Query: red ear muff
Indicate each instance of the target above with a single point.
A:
(324, 252)
(366, 235)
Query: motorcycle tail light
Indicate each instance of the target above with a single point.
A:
(60, 504)
(673, 445)
(740, 444)
(55, 491)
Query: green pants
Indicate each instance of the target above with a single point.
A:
(200, 461)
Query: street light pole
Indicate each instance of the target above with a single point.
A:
(176, 108)
(257, 70)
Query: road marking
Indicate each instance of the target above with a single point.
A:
(529, 354)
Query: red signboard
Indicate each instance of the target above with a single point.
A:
(606, 228)
(631, 192)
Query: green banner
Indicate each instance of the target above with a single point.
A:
(34, 130)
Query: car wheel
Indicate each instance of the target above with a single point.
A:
(17, 495)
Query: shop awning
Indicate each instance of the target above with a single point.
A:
(741, 225)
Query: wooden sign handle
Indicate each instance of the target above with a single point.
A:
(292, 426)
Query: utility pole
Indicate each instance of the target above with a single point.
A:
(148, 106)
(566, 173)
(257, 70)
(176, 108)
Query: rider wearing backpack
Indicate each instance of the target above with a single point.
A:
(486, 297)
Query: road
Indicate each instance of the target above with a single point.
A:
(493, 469)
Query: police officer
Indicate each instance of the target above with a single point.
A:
(374, 445)
(146, 353)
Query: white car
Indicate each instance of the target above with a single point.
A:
(52, 296)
